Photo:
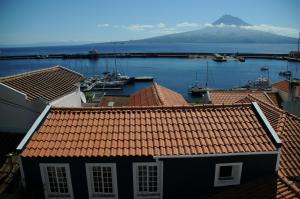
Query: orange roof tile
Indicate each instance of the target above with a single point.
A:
(156, 95)
(49, 83)
(149, 131)
(231, 97)
(282, 85)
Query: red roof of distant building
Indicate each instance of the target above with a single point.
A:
(156, 95)
(232, 97)
(48, 83)
(282, 85)
(149, 131)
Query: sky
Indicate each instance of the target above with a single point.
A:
(42, 21)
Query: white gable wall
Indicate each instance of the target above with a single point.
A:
(17, 113)
(70, 100)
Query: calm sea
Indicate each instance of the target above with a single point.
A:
(177, 74)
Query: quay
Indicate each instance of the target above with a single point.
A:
(192, 55)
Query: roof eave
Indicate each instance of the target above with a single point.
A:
(33, 128)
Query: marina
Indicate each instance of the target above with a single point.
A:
(175, 73)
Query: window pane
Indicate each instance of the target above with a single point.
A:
(225, 171)
(147, 177)
(57, 178)
(102, 179)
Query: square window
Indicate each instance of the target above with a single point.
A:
(228, 174)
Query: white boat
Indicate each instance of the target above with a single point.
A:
(197, 89)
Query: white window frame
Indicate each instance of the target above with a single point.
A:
(160, 179)
(90, 181)
(45, 180)
(236, 174)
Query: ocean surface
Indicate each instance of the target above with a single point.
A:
(174, 73)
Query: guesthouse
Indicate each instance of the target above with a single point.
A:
(147, 152)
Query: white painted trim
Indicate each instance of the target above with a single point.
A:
(19, 159)
(209, 97)
(268, 125)
(278, 159)
(25, 96)
(33, 128)
(159, 165)
(89, 178)
(45, 179)
(217, 155)
(236, 176)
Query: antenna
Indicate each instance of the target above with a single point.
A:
(298, 45)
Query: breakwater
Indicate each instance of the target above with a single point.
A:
(153, 55)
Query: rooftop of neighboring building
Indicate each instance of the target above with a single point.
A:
(233, 96)
(282, 85)
(156, 95)
(287, 127)
(48, 83)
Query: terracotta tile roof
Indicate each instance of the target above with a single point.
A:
(231, 97)
(282, 85)
(156, 95)
(287, 127)
(265, 187)
(149, 131)
(49, 83)
(118, 101)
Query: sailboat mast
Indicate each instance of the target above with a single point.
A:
(206, 74)
(298, 45)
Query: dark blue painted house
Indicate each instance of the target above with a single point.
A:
(147, 152)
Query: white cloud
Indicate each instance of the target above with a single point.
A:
(139, 27)
(104, 25)
(164, 31)
(208, 25)
(161, 25)
(186, 25)
(291, 32)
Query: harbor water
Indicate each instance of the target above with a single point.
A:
(176, 74)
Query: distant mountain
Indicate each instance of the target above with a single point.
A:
(221, 34)
(230, 20)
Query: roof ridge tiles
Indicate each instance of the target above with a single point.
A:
(16, 76)
(141, 108)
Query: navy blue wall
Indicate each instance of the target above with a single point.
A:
(183, 177)
(194, 177)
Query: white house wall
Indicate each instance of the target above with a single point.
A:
(17, 114)
(70, 100)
